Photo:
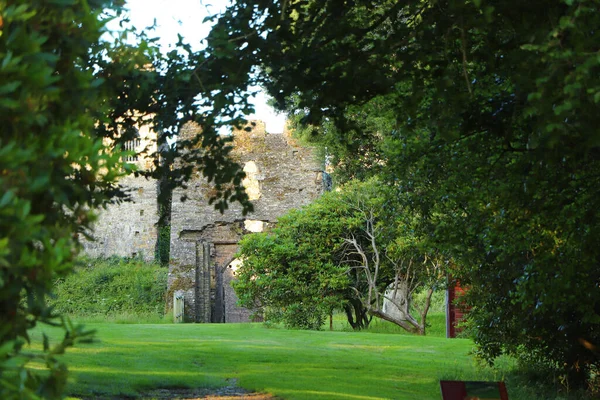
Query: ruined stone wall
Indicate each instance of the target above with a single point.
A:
(281, 175)
(129, 229)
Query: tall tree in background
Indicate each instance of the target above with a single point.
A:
(493, 109)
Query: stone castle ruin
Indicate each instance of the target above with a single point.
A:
(130, 229)
(280, 175)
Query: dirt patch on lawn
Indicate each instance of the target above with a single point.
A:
(197, 394)
(230, 392)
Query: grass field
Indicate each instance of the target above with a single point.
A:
(138, 350)
(130, 359)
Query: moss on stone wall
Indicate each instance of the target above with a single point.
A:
(181, 282)
(246, 143)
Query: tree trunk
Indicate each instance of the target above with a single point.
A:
(364, 316)
(410, 326)
(395, 307)
(350, 316)
(426, 310)
(357, 315)
(396, 301)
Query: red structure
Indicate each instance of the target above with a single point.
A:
(455, 311)
(473, 390)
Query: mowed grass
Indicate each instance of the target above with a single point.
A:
(130, 359)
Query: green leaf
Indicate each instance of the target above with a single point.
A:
(488, 13)
(9, 103)
(6, 60)
(9, 87)
(46, 342)
(6, 198)
(6, 348)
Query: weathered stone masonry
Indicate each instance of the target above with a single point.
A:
(281, 175)
(129, 229)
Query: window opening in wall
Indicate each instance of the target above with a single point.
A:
(235, 265)
(133, 145)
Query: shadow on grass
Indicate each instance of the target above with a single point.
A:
(129, 360)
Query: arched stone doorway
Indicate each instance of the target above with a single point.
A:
(206, 270)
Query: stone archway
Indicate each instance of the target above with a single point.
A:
(280, 176)
(224, 255)
(204, 271)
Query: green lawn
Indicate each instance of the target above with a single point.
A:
(129, 359)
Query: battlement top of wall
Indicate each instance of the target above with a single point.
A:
(252, 128)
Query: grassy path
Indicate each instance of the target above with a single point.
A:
(129, 359)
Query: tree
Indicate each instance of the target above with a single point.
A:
(344, 250)
(493, 108)
(393, 262)
(354, 151)
(291, 272)
(53, 172)
(69, 100)
(384, 248)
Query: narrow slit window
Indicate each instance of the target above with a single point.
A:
(133, 145)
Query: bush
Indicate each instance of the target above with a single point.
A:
(112, 287)
(55, 170)
(438, 300)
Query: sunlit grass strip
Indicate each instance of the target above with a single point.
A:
(127, 360)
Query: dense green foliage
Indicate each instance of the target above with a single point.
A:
(70, 99)
(349, 249)
(292, 273)
(111, 288)
(489, 133)
(487, 128)
(53, 171)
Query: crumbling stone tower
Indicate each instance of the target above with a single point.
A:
(281, 175)
(129, 229)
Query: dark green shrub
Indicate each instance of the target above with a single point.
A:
(109, 287)
(54, 171)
